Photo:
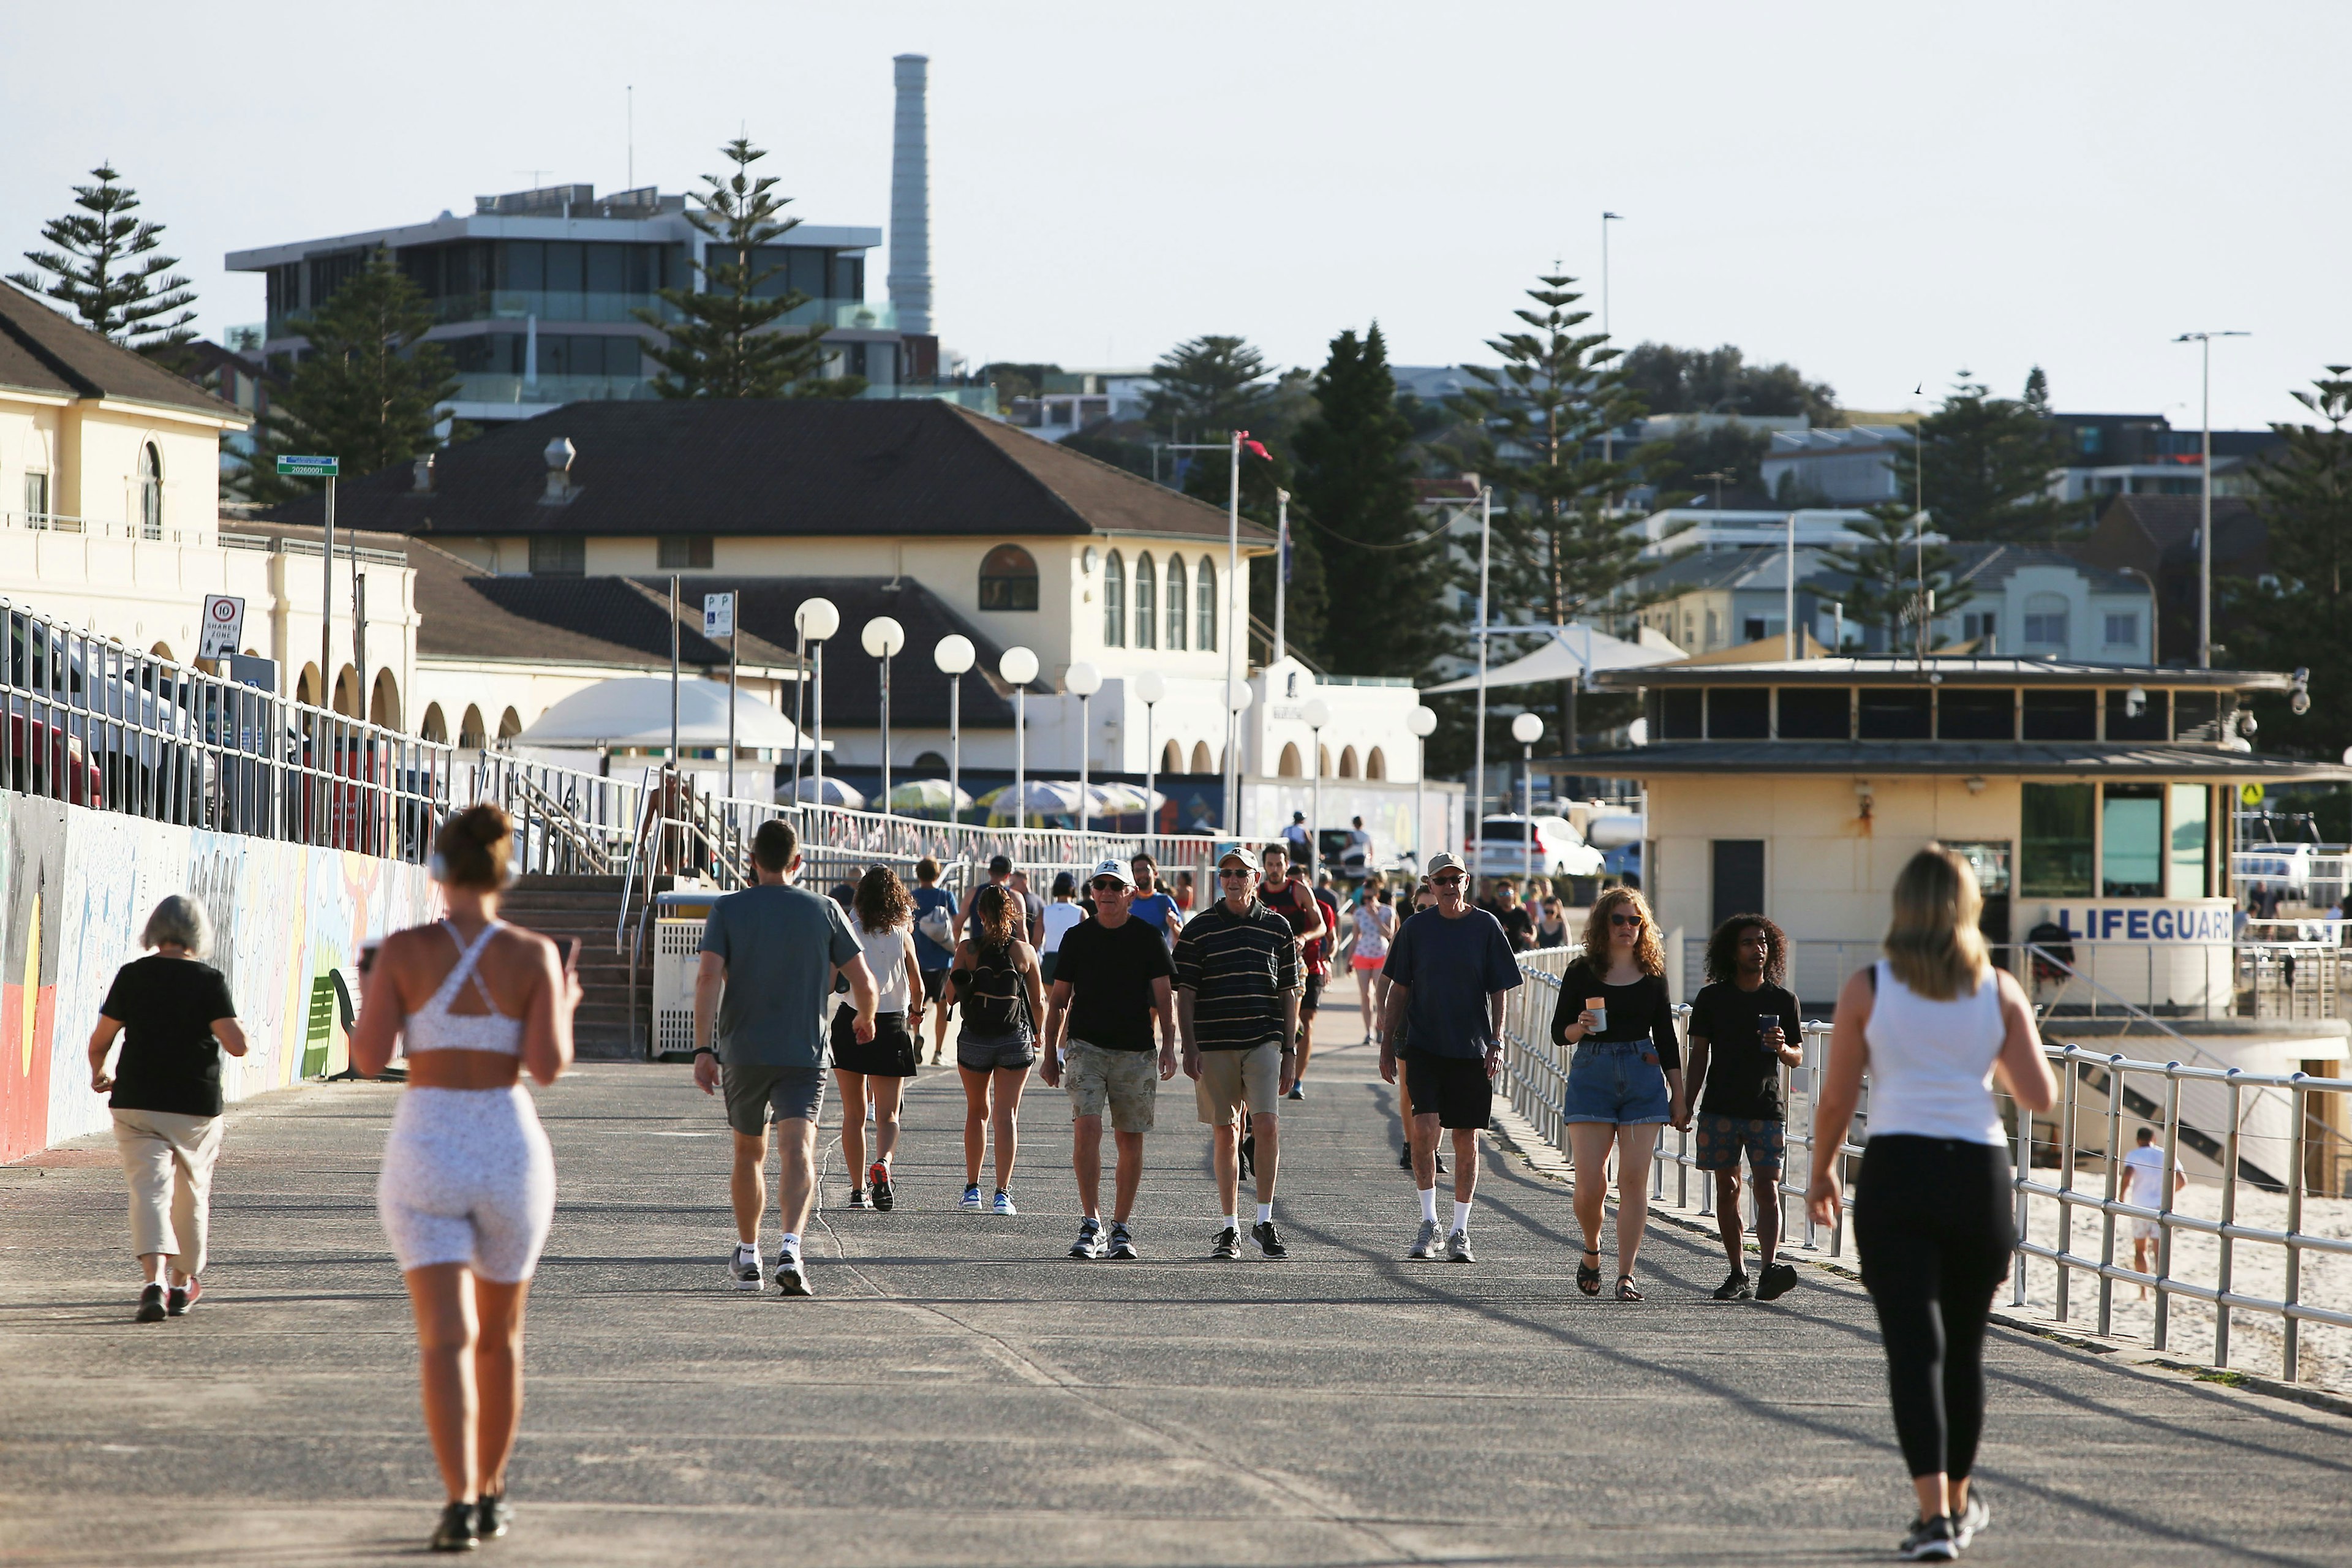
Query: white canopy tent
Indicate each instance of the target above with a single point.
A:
(1573, 651)
(632, 714)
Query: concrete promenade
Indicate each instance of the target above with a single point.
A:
(959, 1393)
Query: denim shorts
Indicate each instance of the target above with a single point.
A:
(1617, 1081)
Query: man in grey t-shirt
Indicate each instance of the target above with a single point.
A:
(770, 953)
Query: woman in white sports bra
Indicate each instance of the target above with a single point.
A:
(875, 1072)
(468, 1184)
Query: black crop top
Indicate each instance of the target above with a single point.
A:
(1642, 1009)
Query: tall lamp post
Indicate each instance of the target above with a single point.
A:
(1527, 730)
(1082, 680)
(816, 620)
(1019, 668)
(882, 639)
(1238, 696)
(953, 656)
(1478, 736)
(2204, 341)
(1422, 721)
(1317, 713)
(1149, 688)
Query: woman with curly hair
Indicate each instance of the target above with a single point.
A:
(996, 982)
(1625, 1080)
(1744, 1024)
(875, 1072)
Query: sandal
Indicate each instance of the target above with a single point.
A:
(1625, 1292)
(1588, 1274)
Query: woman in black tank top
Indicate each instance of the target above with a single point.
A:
(997, 987)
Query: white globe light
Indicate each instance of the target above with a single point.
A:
(817, 620)
(1422, 721)
(883, 638)
(1082, 680)
(1526, 728)
(1018, 666)
(1238, 696)
(955, 653)
(1316, 711)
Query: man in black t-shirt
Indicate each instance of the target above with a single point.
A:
(1743, 1028)
(1111, 986)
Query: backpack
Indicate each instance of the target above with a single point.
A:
(992, 1000)
(936, 926)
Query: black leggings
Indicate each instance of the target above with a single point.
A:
(1931, 1220)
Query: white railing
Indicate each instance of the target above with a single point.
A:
(98, 528)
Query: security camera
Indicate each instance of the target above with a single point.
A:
(2247, 724)
(2298, 702)
(2135, 702)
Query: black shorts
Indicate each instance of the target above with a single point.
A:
(891, 1053)
(935, 984)
(1457, 1088)
(1314, 994)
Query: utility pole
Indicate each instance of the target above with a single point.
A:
(2204, 342)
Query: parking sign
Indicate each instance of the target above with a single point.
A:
(718, 615)
(223, 625)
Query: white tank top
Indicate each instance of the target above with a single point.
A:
(1931, 1062)
(433, 1027)
(886, 957)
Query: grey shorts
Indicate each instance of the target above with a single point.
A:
(988, 1053)
(759, 1095)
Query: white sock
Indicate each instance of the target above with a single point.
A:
(1429, 1205)
(791, 1243)
(1230, 1224)
(1266, 1214)
(1461, 1215)
(751, 1246)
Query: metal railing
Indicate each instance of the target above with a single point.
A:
(2238, 1242)
(100, 528)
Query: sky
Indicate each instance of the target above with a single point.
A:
(1884, 194)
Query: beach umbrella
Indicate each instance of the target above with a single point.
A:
(835, 792)
(1039, 798)
(927, 797)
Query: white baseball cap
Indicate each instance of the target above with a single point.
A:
(1112, 867)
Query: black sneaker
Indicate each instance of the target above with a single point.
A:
(150, 1304)
(492, 1514)
(1930, 1541)
(1122, 1246)
(1404, 1158)
(791, 1279)
(1734, 1288)
(857, 1197)
(1298, 1091)
(183, 1297)
(879, 1179)
(1779, 1279)
(456, 1531)
(1269, 1240)
(1089, 1245)
(1228, 1243)
(1441, 1163)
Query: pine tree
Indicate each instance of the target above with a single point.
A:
(1989, 465)
(366, 390)
(1384, 564)
(1209, 386)
(108, 272)
(1560, 551)
(1887, 567)
(722, 337)
(2305, 496)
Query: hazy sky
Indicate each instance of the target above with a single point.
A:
(1883, 194)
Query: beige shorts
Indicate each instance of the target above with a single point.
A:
(1125, 1081)
(1228, 1078)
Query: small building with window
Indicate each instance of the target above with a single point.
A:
(2093, 800)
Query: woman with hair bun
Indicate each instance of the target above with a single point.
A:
(468, 1187)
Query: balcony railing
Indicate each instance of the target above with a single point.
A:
(95, 528)
(485, 386)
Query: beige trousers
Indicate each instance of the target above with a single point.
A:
(168, 1158)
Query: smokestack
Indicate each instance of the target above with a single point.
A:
(911, 199)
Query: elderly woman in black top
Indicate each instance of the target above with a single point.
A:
(1625, 1079)
(175, 1016)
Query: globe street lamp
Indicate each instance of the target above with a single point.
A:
(953, 656)
(1317, 713)
(1527, 730)
(816, 620)
(1238, 696)
(1150, 689)
(1082, 680)
(1019, 668)
(1420, 721)
(882, 639)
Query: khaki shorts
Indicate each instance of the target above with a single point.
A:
(1228, 1078)
(1127, 1081)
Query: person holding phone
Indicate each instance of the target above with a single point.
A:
(1744, 1028)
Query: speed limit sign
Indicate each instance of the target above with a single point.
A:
(223, 625)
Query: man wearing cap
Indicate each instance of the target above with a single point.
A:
(1238, 982)
(1110, 988)
(999, 871)
(1449, 971)
(1289, 895)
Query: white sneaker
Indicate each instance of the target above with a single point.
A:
(1003, 1202)
(1971, 1519)
(745, 1269)
(1424, 1241)
(791, 1279)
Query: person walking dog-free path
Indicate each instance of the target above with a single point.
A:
(1734, 1077)
(1933, 1023)
(995, 982)
(874, 1073)
(174, 1013)
(468, 1187)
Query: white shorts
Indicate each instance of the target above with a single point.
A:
(467, 1178)
(2146, 1230)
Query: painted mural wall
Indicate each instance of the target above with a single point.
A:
(77, 885)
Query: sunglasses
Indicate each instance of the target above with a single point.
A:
(1235, 873)
(1624, 919)
(1446, 879)
(1105, 885)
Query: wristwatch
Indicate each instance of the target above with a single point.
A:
(704, 1051)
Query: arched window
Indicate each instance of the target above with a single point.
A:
(469, 730)
(1293, 766)
(436, 728)
(1376, 766)
(1205, 595)
(151, 492)
(1322, 761)
(1147, 603)
(1202, 762)
(347, 692)
(510, 726)
(306, 686)
(383, 705)
(1347, 762)
(1172, 760)
(1114, 600)
(1179, 611)
(933, 761)
(1008, 579)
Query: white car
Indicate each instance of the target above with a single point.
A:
(1558, 851)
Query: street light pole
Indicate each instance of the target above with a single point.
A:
(1527, 730)
(1317, 713)
(1420, 721)
(816, 620)
(1018, 668)
(953, 655)
(882, 638)
(1609, 434)
(2204, 341)
(1082, 681)
(1478, 738)
(1149, 688)
(1233, 592)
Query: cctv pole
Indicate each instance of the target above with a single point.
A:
(1478, 734)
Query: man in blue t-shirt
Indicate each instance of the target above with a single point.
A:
(1151, 903)
(937, 906)
(1449, 969)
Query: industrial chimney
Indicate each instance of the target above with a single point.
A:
(910, 200)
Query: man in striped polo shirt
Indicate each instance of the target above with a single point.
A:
(1237, 984)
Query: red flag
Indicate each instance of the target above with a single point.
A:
(1251, 446)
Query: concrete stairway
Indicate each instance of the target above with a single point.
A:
(610, 1025)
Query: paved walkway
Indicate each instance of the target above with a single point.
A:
(959, 1393)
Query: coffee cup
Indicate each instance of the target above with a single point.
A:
(1599, 1007)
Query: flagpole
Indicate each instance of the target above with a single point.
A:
(1282, 573)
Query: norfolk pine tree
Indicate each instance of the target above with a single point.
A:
(720, 344)
(107, 270)
(2304, 497)
(1885, 567)
(1989, 465)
